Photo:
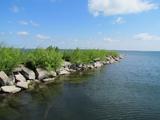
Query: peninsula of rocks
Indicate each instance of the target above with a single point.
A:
(22, 69)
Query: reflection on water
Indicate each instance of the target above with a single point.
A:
(36, 104)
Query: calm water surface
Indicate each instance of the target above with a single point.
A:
(129, 90)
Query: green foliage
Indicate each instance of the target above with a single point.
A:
(86, 56)
(9, 58)
(112, 53)
(48, 58)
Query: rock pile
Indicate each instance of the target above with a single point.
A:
(23, 77)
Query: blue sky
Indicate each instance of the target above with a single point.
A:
(105, 24)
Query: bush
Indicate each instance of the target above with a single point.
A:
(49, 59)
(9, 58)
(86, 56)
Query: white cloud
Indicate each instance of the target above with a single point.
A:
(15, 9)
(42, 37)
(22, 33)
(119, 7)
(146, 37)
(119, 20)
(25, 22)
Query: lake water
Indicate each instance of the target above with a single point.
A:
(129, 90)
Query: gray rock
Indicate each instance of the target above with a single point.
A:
(107, 62)
(90, 66)
(63, 72)
(3, 78)
(112, 61)
(10, 89)
(27, 73)
(73, 66)
(71, 70)
(42, 74)
(121, 57)
(116, 59)
(11, 80)
(108, 58)
(19, 77)
(23, 85)
(66, 64)
(97, 64)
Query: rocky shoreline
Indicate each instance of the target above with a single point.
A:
(23, 78)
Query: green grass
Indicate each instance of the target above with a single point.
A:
(87, 56)
(50, 58)
(9, 58)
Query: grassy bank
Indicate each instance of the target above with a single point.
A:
(50, 58)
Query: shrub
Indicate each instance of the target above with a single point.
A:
(9, 58)
(86, 56)
(49, 59)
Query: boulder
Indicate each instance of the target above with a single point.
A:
(19, 77)
(112, 61)
(23, 85)
(66, 64)
(27, 73)
(11, 80)
(3, 78)
(10, 89)
(121, 57)
(107, 62)
(74, 66)
(97, 64)
(116, 59)
(90, 66)
(63, 72)
(42, 74)
(108, 58)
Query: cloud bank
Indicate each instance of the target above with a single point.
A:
(119, 7)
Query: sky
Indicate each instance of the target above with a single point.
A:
(102, 24)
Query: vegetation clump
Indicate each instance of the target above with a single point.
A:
(50, 58)
(9, 58)
(87, 56)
